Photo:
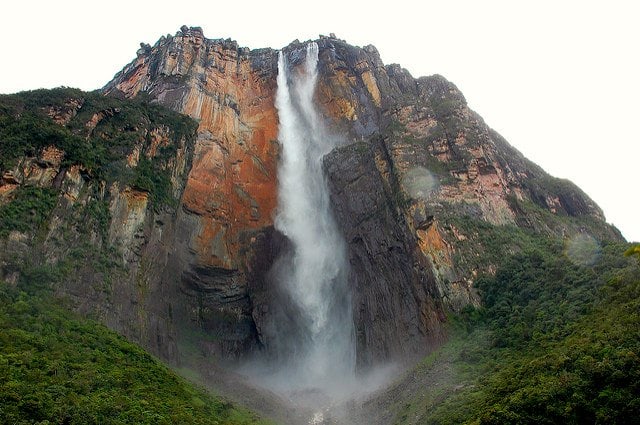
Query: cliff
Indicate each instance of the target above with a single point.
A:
(89, 191)
(415, 172)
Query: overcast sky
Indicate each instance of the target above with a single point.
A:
(560, 80)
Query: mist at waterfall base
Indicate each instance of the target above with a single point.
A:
(310, 354)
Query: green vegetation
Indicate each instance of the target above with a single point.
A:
(93, 216)
(57, 368)
(534, 216)
(447, 109)
(99, 134)
(486, 245)
(634, 251)
(158, 184)
(556, 341)
(29, 209)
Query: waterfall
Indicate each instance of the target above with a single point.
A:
(320, 355)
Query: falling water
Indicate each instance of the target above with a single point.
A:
(320, 355)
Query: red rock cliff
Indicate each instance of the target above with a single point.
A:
(230, 92)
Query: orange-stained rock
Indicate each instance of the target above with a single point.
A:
(99, 116)
(6, 189)
(431, 243)
(337, 95)
(232, 183)
(372, 87)
(62, 114)
(52, 156)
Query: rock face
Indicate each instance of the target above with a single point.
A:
(412, 156)
(230, 193)
(115, 171)
(398, 310)
(230, 92)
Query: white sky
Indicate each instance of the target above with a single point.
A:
(560, 80)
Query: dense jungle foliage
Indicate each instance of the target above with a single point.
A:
(56, 368)
(557, 339)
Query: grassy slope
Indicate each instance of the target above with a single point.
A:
(59, 368)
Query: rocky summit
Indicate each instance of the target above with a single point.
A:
(162, 227)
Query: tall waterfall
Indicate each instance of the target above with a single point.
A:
(320, 354)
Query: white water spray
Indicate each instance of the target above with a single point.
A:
(320, 356)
